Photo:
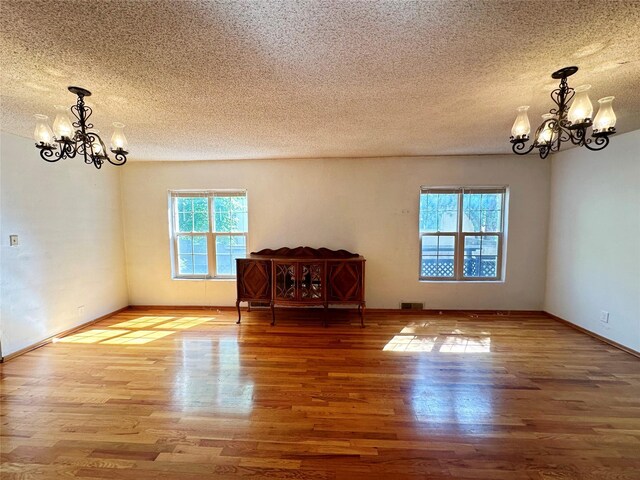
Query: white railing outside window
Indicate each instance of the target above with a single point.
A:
(462, 233)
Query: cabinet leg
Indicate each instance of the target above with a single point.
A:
(273, 315)
(239, 315)
(325, 316)
(361, 311)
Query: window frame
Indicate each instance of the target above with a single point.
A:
(460, 235)
(211, 235)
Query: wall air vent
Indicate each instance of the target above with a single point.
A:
(411, 306)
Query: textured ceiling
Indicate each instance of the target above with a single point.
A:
(263, 79)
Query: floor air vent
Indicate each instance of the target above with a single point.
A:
(411, 306)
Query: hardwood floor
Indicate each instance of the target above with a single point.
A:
(187, 394)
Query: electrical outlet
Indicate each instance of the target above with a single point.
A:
(13, 240)
(604, 316)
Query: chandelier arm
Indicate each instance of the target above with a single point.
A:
(93, 137)
(563, 135)
(544, 152)
(601, 142)
(120, 157)
(70, 148)
(578, 135)
(519, 148)
(50, 154)
(96, 157)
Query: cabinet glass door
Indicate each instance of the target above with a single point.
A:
(284, 280)
(311, 281)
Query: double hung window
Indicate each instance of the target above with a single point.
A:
(208, 232)
(461, 233)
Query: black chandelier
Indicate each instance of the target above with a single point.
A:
(566, 123)
(68, 139)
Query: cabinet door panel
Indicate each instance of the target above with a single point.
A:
(345, 281)
(254, 279)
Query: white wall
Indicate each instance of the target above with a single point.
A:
(71, 253)
(594, 239)
(368, 206)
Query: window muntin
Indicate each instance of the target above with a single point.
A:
(461, 233)
(208, 231)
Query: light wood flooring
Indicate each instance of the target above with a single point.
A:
(189, 395)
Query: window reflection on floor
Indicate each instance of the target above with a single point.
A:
(439, 343)
(468, 406)
(210, 377)
(458, 398)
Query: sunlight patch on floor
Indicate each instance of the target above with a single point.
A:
(410, 343)
(90, 336)
(138, 337)
(185, 322)
(152, 328)
(142, 322)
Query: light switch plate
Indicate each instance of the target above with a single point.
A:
(604, 316)
(13, 240)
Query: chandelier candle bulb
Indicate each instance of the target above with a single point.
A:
(605, 120)
(43, 134)
(581, 111)
(118, 140)
(547, 133)
(97, 148)
(96, 144)
(62, 127)
(521, 127)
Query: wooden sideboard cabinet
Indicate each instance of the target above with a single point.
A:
(300, 277)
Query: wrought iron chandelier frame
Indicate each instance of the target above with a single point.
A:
(562, 129)
(83, 141)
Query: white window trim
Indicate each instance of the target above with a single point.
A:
(459, 235)
(211, 235)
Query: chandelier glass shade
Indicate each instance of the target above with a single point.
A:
(569, 121)
(70, 138)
